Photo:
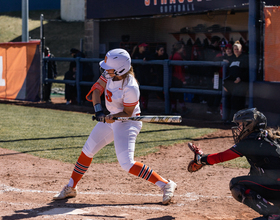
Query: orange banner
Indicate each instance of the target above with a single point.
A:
(20, 65)
(272, 44)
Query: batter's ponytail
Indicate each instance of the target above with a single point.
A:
(130, 72)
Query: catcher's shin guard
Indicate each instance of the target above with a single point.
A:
(253, 200)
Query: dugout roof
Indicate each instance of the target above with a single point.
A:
(110, 9)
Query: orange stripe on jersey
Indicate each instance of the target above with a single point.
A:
(103, 79)
(130, 104)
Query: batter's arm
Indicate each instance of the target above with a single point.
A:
(127, 112)
(97, 93)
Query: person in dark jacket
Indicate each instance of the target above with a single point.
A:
(236, 83)
(178, 78)
(85, 72)
(212, 53)
(70, 89)
(51, 74)
(142, 72)
(260, 190)
(77, 53)
(156, 78)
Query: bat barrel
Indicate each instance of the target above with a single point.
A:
(150, 118)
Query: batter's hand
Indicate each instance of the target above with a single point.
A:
(100, 116)
(109, 119)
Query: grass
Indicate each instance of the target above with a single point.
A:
(239, 162)
(60, 135)
(60, 36)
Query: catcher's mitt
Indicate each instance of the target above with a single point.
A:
(195, 164)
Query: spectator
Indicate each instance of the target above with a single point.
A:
(157, 70)
(228, 56)
(86, 73)
(51, 74)
(70, 89)
(76, 53)
(142, 72)
(178, 78)
(236, 82)
(228, 53)
(213, 50)
(212, 53)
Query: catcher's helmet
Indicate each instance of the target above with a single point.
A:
(248, 121)
(117, 59)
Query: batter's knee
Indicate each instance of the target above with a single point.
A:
(127, 165)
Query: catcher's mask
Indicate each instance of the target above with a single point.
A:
(248, 121)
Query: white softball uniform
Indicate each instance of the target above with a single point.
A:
(117, 95)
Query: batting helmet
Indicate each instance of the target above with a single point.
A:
(117, 59)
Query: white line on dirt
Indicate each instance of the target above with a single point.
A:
(191, 196)
(76, 211)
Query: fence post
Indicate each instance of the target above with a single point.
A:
(78, 80)
(43, 77)
(224, 104)
(166, 85)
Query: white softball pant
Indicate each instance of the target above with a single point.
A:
(122, 133)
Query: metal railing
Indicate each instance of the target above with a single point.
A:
(166, 88)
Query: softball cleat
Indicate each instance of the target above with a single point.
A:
(66, 192)
(168, 192)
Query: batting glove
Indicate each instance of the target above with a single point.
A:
(99, 115)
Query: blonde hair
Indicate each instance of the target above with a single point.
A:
(238, 44)
(273, 133)
(125, 76)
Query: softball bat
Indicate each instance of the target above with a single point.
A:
(150, 118)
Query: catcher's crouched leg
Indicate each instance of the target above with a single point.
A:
(252, 199)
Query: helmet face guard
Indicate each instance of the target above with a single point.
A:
(105, 73)
(248, 121)
(239, 132)
(235, 133)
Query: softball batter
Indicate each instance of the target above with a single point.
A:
(122, 100)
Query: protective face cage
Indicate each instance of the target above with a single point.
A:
(248, 121)
(105, 74)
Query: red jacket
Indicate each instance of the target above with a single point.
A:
(178, 71)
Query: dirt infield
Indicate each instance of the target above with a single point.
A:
(107, 192)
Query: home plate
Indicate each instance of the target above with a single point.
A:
(63, 211)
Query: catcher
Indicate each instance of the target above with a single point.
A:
(260, 189)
